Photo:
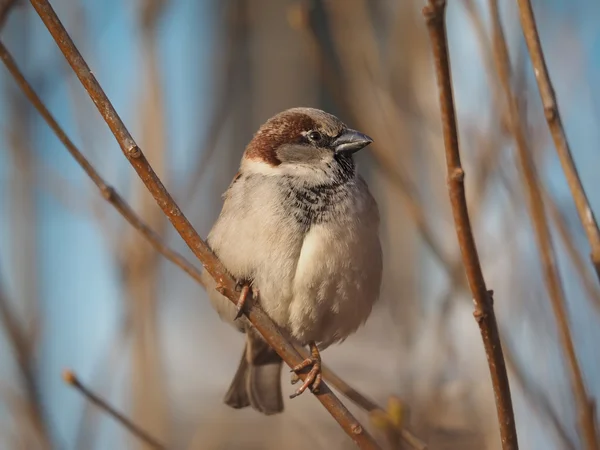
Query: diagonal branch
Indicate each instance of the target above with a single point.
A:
(586, 214)
(542, 233)
(209, 260)
(434, 14)
(122, 207)
(108, 192)
(71, 379)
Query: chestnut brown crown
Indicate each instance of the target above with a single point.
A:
(304, 136)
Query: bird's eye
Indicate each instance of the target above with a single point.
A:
(315, 136)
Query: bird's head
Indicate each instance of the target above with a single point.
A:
(306, 143)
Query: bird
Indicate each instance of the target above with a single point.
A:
(299, 231)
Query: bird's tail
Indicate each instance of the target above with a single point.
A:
(257, 382)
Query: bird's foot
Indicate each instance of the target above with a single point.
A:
(245, 290)
(314, 377)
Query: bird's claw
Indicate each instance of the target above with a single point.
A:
(313, 378)
(294, 378)
(245, 289)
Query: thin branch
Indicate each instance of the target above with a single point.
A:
(108, 192)
(211, 263)
(71, 379)
(363, 402)
(106, 365)
(22, 347)
(340, 385)
(434, 14)
(586, 214)
(542, 233)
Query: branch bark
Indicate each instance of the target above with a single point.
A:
(542, 233)
(434, 13)
(586, 214)
(136, 158)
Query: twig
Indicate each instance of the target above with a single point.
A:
(108, 192)
(434, 13)
(542, 232)
(70, 378)
(363, 402)
(586, 214)
(211, 263)
(348, 391)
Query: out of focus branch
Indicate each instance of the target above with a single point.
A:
(542, 233)
(225, 93)
(586, 214)
(589, 284)
(71, 379)
(140, 263)
(537, 398)
(108, 192)
(209, 260)
(434, 13)
(5, 7)
(22, 347)
(587, 280)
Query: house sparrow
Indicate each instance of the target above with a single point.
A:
(299, 230)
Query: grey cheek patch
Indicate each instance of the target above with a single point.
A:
(305, 154)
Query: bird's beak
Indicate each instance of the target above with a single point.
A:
(350, 141)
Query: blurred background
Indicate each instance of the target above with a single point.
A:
(80, 289)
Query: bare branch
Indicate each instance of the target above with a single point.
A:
(586, 214)
(108, 192)
(209, 260)
(542, 232)
(70, 378)
(434, 14)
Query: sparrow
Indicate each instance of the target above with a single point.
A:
(299, 231)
